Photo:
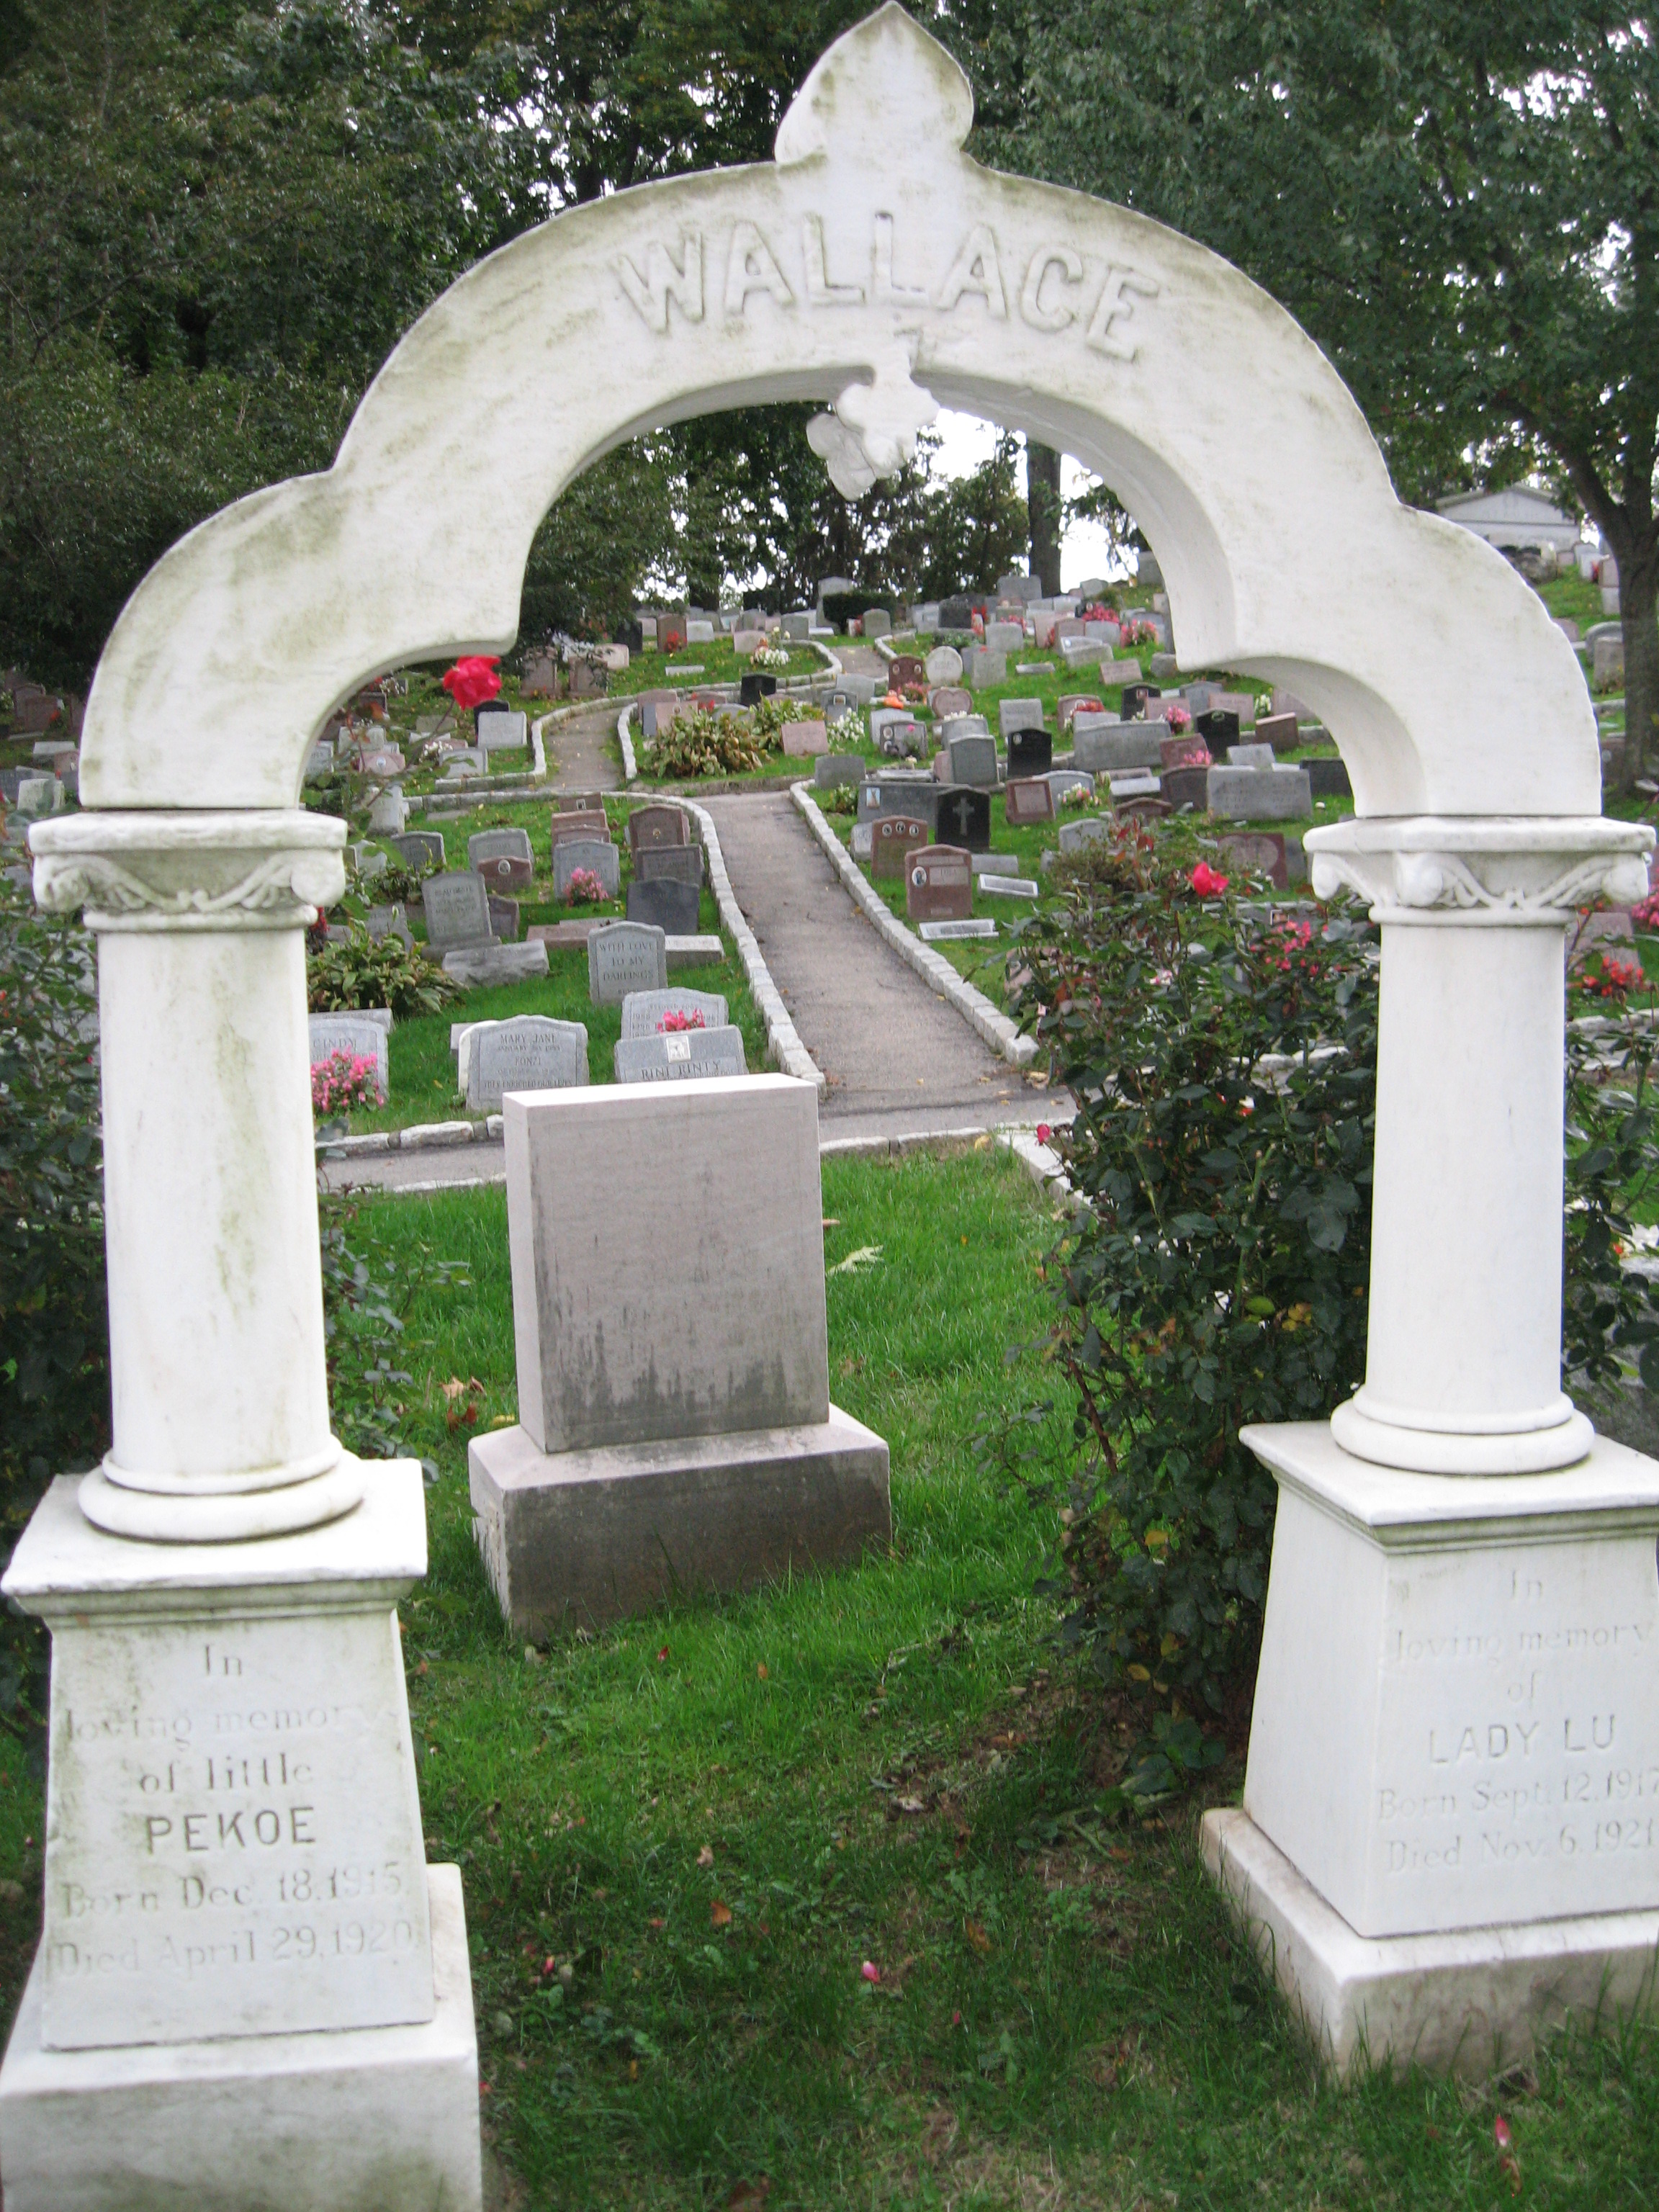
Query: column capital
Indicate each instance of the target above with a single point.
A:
(1508, 871)
(261, 869)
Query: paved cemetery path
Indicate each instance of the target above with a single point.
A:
(581, 746)
(895, 1054)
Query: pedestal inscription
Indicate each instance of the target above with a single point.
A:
(1517, 1760)
(233, 1843)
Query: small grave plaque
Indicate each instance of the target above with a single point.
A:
(1101, 746)
(1184, 751)
(457, 911)
(1278, 731)
(1009, 887)
(664, 904)
(1062, 780)
(625, 957)
(973, 761)
(962, 818)
(1030, 752)
(680, 1055)
(1090, 829)
(504, 918)
(680, 864)
(938, 884)
(496, 963)
(419, 848)
(892, 838)
(835, 769)
(356, 1034)
(753, 688)
(597, 854)
(950, 933)
(502, 856)
(1027, 800)
(657, 825)
(580, 822)
(1259, 794)
(643, 1010)
(805, 740)
(1249, 757)
(530, 1052)
(905, 672)
(1078, 702)
(502, 731)
(948, 699)
(1187, 786)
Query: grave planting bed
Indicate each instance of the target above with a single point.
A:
(683, 1838)
(651, 670)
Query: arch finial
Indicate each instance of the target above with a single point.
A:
(885, 82)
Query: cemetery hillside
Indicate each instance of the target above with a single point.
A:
(829, 1108)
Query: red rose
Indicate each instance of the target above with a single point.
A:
(473, 679)
(1207, 882)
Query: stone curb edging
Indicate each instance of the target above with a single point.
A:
(998, 1031)
(630, 766)
(419, 1137)
(783, 1041)
(1039, 1161)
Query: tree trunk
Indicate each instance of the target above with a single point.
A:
(1042, 504)
(1638, 619)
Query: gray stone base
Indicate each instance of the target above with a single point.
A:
(1471, 2003)
(575, 1539)
(380, 2119)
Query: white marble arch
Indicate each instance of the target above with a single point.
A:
(871, 246)
(1458, 1507)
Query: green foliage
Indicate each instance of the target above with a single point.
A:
(1218, 1276)
(367, 971)
(705, 743)
(1610, 1314)
(368, 1284)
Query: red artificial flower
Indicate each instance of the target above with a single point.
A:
(1044, 1132)
(473, 679)
(1207, 882)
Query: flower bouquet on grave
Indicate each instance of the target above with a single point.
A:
(674, 1021)
(1076, 794)
(1133, 633)
(584, 888)
(1176, 720)
(769, 656)
(342, 1081)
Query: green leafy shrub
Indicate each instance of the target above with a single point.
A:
(367, 971)
(368, 1286)
(703, 744)
(1609, 1312)
(1223, 1056)
(54, 1322)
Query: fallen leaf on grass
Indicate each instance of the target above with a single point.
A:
(719, 1914)
(706, 1855)
(976, 1935)
(456, 1389)
(911, 1804)
(761, 1671)
(865, 1256)
(748, 2196)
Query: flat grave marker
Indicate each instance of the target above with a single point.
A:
(679, 864)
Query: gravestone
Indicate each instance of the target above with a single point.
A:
(756, 686)
(474, 965)
(1327, 779)
(392, 921)
(1250, 757)
(955, 614)
(1062, 780)
(1072, 704)
(1183, 751)
(745, 641)
(1030, 752)
(680, 1055)
(1278, 731)
(1027, 800)
(625, 957)
(953, 932)
(1148, 808)
(1004, 637)
(973, 761)
(680, 864)
(891, 837)
(504, 918)
(1260, 854)
(643, 1010)
(579, 822)
(506, 731)
(676, 1432)
(1090, 829)
(383, 760)
(664, 904)
(1218, 727)
(962, 818)
(997, 886)
(906, 672)
(877, 623)
(457, 908)
(938, 884)
(1258, 795)
(835, 769)
(698, 632)
(388, 813)
(597, 854)
(948, 699)
(985, 668)
(657, 825)
(805, 740)
(900, 739)
(1018, 714)
(357, 1034)
(1187, 786)
(419, 848)
(528, 1052)
(1101, 746)
(502, 856)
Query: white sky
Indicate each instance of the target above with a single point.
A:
(968, 439)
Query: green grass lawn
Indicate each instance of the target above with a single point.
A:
(650, 671)
(682, 1838)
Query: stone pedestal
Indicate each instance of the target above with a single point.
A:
(238, 1948)
(677, 1433)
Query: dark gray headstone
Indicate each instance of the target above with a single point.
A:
(665, 904)
(457, 907)
(419, 848)
(1030, 752)
(680, 864)
(1328, 779)
(962, 817)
